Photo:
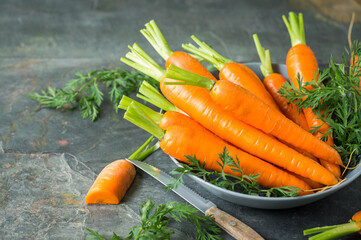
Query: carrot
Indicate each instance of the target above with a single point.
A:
(198, 104)
(336, 231)
(302, 66)
(180, 59)
(334, 168)
(301, 63)
(253, 111)
(273, 82)
(235, 72)
(114, 180)
(112, 183)
(183, 137)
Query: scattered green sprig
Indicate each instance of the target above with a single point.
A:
(84, 91)
(155, 220)
(246, 184)
(336, 99)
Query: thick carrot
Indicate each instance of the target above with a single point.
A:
(197, 103)
(253, 111)
(302, 64)
(273, 82)
(185, 137)
(180, 59)
(112, 183)
(235, 72)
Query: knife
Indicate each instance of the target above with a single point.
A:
(228, 223)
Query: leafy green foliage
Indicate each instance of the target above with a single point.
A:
(246, 184)
(336, 99)
(155, 220)
(85, 93)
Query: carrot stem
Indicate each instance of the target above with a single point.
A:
(264, 56)
(207, 53)
(332, 232)
(141, 61)
(155, 37)
(137, 116)
(295, 28)
(126, 101)
(144, 151)
(152, 95)
(187, 78)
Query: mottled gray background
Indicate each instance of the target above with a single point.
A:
(49, 158)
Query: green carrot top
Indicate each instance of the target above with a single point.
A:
(295, 28)
(207, 53)
(264, 56)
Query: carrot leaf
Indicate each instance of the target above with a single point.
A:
(141, 61)
(141, 118)
(144, 151)
(155, 37)
(84, 91)
(126, 101)
(185, 77)
(264, 56)
(332, 232)
(150, 94)
(246, 184)
(295, 28)
(207, 53)
(155, 220)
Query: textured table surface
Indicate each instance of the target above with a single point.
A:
(49, 158)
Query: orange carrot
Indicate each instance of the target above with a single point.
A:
(197, 103)
(334, 168)
(302, 64)
(112, 183)
(180, 59)
(250, 109)
(235, 72)
(273, 82)
(185, 137)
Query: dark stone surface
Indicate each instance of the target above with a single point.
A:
(43, 182)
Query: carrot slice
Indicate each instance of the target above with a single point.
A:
(112, 183)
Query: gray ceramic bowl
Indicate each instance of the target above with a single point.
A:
(271, 202)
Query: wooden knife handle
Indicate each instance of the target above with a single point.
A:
(232, 225)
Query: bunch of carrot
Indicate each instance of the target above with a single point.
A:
(268, 135)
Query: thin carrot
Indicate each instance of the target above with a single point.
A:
(235, 72)
(302, 67)
(334, 168)
(301, 63)
(180, 59)
(112, 183)
(253, 111)
(185, 137)
(114, 180)
(273, 82)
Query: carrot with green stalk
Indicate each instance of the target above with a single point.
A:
(336, 231)
(180, 136)
(301, 63)
(237, 73)
(273, 82)
(179, 58)
(250, 109)
(198, 104)
(114, 180)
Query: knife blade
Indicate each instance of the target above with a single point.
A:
(227, 222)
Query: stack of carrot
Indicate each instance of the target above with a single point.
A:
(269, 136)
